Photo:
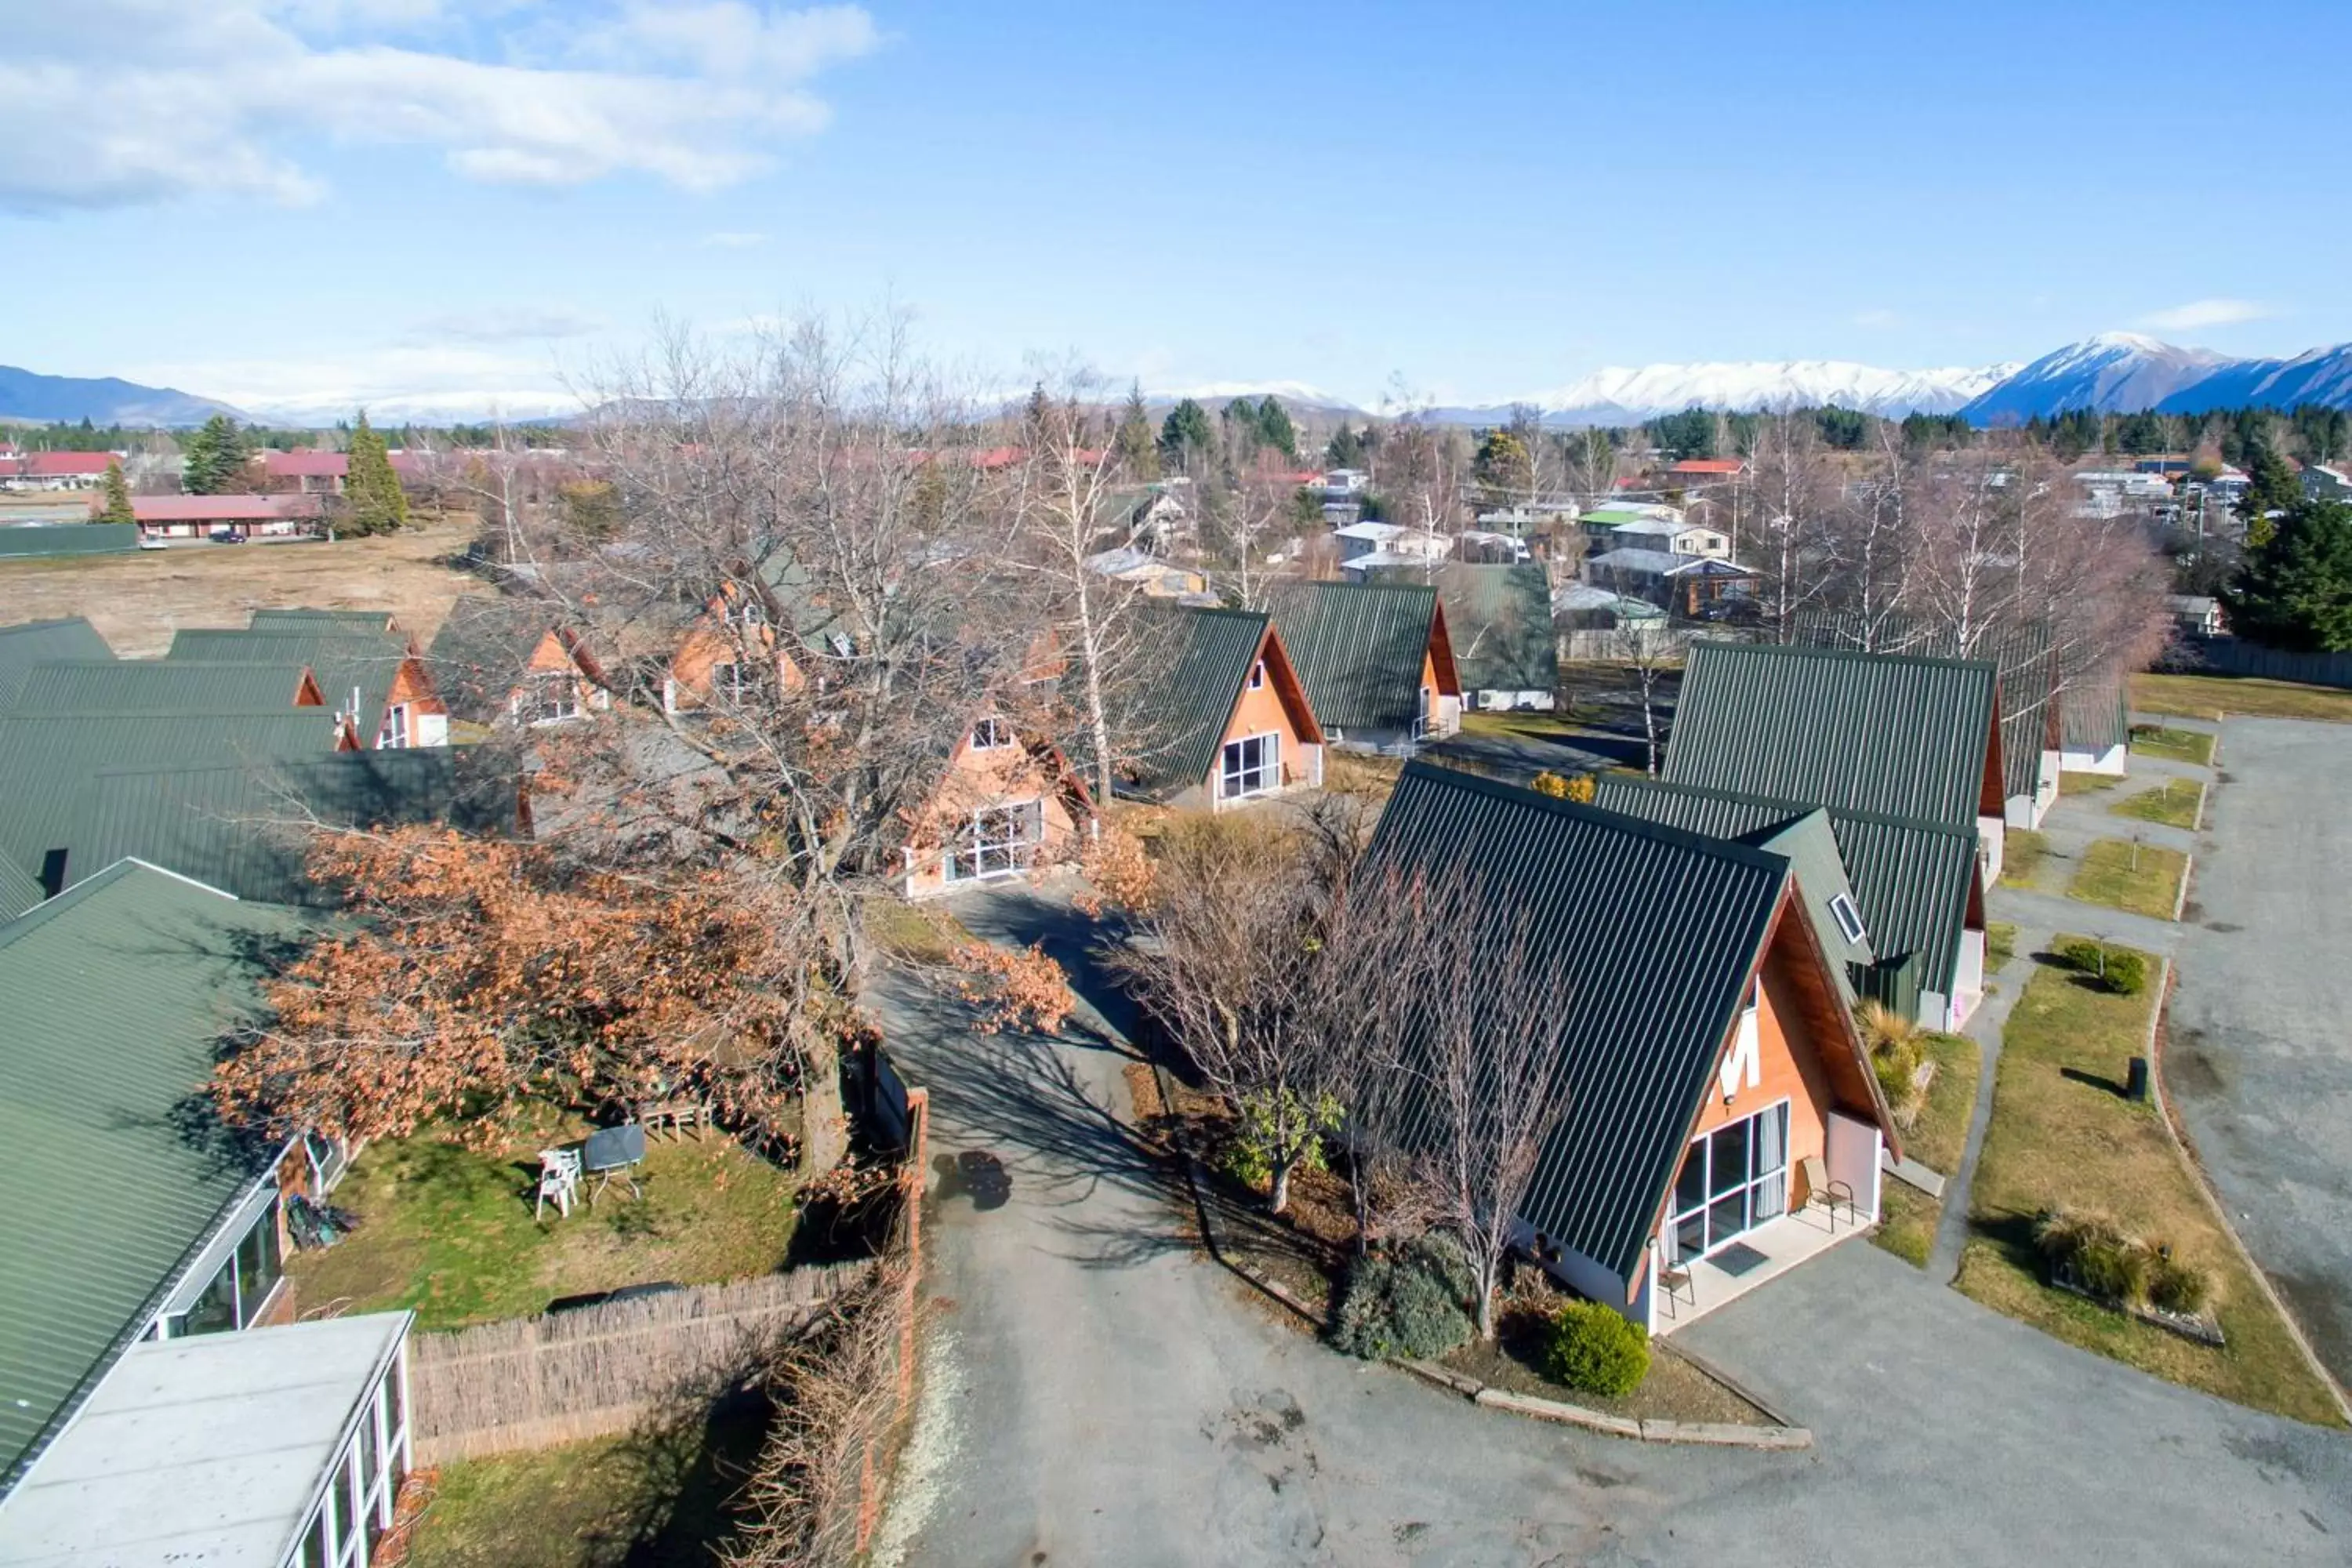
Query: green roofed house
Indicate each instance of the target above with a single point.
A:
(1897, 734)
(1208, 711)
(242, 827)
(500, 661)
(38, 642)
(1498, 619)
(1722, 1124)
(341, 622)
(1375, 660)
(2095, 723)
(131, 1216)
(135, 686)
(1916, 888)
(377, 678)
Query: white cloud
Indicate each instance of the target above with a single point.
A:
(412, 381)
(219, 95)
(507, 323)
(2200, 314)
(733, 239)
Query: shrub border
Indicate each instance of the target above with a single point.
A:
(1714, 1434)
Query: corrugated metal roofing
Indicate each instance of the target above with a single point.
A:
(1499, 619)
(238, 827)
(117, 995)
(318, 623)
(1185, 672)
(1655, 930)
(1912, 879)
(2096, 712)
(46, 760)
(343, 661)
(69, 539)
(1358, 647)
(2020, 650)
(19, 889)
(1896, 734)
(155, 686)
(483, 651)
(38, 642)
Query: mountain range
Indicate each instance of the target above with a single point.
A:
(2115, 372)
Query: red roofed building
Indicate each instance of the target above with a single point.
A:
(1708, 469)
(309, 470)
(54, 470)
(199, 517)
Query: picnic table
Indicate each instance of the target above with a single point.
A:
(613, 1152)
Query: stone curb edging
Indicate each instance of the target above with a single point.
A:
(2187, 871)
(1714, 1434)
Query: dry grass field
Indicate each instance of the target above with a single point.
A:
(138, 600)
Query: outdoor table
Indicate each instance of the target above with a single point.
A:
(611, 1152)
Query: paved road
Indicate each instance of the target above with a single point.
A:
(2259, 1056)
(1097, 1393)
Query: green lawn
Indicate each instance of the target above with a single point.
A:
(918, 933)
(655, 1499)
(2086, 784)
(2062, 1134)
(2022, 852)
(2211, 696)
(2173, 802)
(2000, 945)
(2178, 745)
(450, 1232)
(2142, 880)
(1936, 1137)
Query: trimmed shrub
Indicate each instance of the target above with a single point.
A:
(1405, 1303)
(2177, 1287)
(2087, 957)
(1595, 1351)
(2126, 973)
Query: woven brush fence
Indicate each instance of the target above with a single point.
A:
(529, 1383)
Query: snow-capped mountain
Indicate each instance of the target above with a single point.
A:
(1216, 394)
(1619, 395)
(2114, 372)
(2317, 375)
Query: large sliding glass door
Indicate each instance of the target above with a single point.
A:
(1733, 1180)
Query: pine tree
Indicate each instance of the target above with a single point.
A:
(373, 500)
(2270, 486)
(1185, 435)
(2295, 590)
(118, 496)
(216, 456)
(1345, 449)
(1138, 456)
(1274, 424)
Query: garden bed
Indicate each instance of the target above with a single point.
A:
(2140, 879)
(2175, 745)
(1936, 1137)
(2062, 1134)
(2175, 802)
(450, 1232)
(1675, 1389)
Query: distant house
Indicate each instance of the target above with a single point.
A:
(305, 471)
(165, 518)
(374, 677)
(1685, 585)
(55, 470)
(2322, 481)
(117, 993)
(1152, 518)
(1670, 535)
(1391, 543)
(1007, 804)
(1916, 927)
(1141, 569)
(1710, 1059)
(729, 651)
(512, 661)
(1375, 659)
(1900, 735)
(2198, 614)
(1498, 619)
(1705, 470)
(1212, 712)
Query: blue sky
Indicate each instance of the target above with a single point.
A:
(314, 202)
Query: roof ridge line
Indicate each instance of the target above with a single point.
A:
(1616, 821)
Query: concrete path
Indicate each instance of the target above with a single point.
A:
(2259, 1060)
(1096, 1393)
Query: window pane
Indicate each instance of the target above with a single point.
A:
(1728, 1158)
(1772, 1196)
(1690, 1186)
(392, 1414)
(314, 1541)
(371, 1452)
(338, 1512)
(257, 1261)
(1690, 1234)
(1727, 1216)
(216, 1310)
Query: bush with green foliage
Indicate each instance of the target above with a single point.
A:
(2093, 1252)
(1597, 1351)
(2177, 1287)
(1271, 1124)
(1406, 1301)
(2126, 973)
(2086, 957)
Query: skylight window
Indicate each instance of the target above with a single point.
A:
(1849, 919)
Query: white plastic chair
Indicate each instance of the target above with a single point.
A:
(559, 1179)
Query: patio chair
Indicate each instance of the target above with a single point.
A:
(1675, 1279)
(559, 1180)
(1821, 1191)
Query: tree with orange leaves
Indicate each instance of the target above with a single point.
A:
(471, 979)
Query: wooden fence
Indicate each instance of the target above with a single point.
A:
(527, 1383)
(2228, 656)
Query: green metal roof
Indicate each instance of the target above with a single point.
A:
(1180, 674)
(69, 539)
(19, 889)
(483, 651)
(1912, 879)
(116, 994)
(2095, 710)
(1809, 846)
(47, 760)
(155, 686)
(1901, 735)
(2020, 650)
(340, 660)
(38, 642)
(1358, 648)
(317, 623)
(1655, 930)
(1500, 620)
(238, 827)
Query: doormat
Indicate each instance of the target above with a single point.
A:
(1737, 1259)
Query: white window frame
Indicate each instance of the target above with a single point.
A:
(977, 854)
(1747, 1189)
(1257, 675)
(1849, 919)
(1232, 769)
(991, 734)
(392, 735)
(535, 705)
(732, 685)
